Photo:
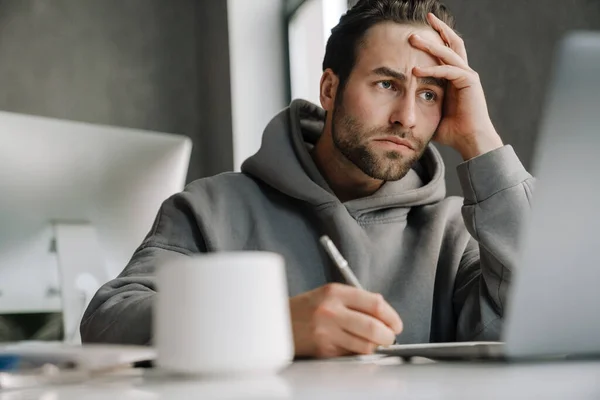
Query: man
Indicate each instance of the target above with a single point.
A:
(361, 171)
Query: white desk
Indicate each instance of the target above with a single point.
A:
(353, 380)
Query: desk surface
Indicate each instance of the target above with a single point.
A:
(374, 379)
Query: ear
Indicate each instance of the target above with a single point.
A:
(328, 89)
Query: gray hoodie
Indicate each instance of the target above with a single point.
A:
(446, 272)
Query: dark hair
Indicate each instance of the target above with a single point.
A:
(340, 52)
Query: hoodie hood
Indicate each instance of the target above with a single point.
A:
(284, 163)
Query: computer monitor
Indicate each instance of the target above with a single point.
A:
(76, 199)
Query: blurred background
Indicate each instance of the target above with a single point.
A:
(218, 70)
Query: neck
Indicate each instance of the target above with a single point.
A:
(346, 180)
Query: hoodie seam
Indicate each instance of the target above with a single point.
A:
(323, 206)
(372, 221)
(521, 183)
(471, 183)
(425, 189)
(475, 208)
(168, 247)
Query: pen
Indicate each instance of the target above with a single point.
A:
(341, 263)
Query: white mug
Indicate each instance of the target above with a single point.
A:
(223, 314)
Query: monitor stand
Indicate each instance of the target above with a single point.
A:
(81, 269)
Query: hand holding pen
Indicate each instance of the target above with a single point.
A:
(341, 263)
(337, 320)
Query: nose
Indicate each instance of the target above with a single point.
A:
(404, 113)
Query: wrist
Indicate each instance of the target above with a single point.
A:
(479, 145)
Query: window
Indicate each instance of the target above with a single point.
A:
(309, 26)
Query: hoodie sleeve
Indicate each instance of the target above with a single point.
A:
(121, 310)
(497, 191)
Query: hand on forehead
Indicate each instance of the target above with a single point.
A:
(388, 44)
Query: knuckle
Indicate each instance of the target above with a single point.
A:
(331, 289)
(324, 310)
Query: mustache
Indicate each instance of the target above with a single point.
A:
(352, 124)
(397, 132)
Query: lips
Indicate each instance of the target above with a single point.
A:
(396, 140)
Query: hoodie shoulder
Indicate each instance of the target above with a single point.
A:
(224, 192)
(183, 218)
(220, 183)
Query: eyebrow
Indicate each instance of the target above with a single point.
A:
(399, 76)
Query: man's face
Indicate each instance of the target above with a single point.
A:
(385, 117)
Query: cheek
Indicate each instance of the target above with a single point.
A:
(430, 117)
(372, 108)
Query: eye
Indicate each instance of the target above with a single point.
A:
(428, 96)
(387, 85)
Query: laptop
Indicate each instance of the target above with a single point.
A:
(553, 308)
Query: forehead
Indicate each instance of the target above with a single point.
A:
(386, 44)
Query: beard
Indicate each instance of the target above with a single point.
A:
(351, 137)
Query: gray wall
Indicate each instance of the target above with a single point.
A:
(148, 64)
(164, 65)
(511, 45)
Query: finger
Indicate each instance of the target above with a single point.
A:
(372, 304)
(449, 36)
(459, 77)
(444, 53)
(353, 344)
(365, 326)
